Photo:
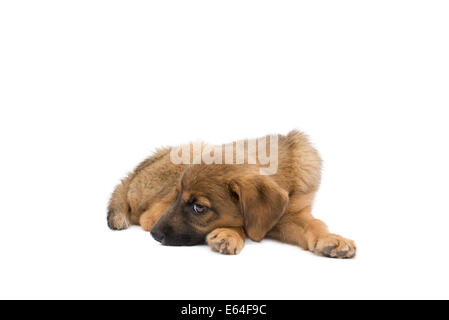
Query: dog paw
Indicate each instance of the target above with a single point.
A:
(117, 221)
(147, 223)
(225, 241)
(335, 246)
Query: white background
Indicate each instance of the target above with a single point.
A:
(90, 88)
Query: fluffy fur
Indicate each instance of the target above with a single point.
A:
(160, 196)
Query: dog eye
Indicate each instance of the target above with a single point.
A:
(199, 209)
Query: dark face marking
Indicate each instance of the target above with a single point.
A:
(178, 226)
(185, 223)
(199, 208)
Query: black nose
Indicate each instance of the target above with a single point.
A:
(157, 235)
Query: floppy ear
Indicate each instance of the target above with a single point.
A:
(262, 203)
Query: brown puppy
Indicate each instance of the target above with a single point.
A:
(222, 204)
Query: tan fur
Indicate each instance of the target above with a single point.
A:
(151, 215)
(226, 240)
(243, 203)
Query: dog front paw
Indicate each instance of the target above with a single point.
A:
(225, 241)
(335, 246)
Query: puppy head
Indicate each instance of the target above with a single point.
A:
(214, 196)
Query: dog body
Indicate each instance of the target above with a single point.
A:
(222, 204)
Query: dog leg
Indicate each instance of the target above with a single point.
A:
(118, 220)
(149, 218)
(118, 209)
(300, 228)
(226, 240)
